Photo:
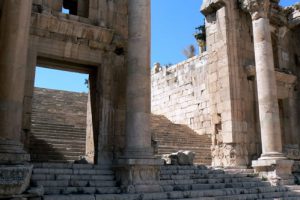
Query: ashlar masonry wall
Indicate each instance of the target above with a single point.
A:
(180, 93)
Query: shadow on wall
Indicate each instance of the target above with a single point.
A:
(170, 138)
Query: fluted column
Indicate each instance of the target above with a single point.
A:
(14, 33)
(138, 136)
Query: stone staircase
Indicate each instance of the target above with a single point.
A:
(56, 142)
(174, 137)
(58, 126)
(67, 178)
(89, 182)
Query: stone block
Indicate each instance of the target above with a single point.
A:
(179, 158)
(278, 172)
(14, 179)
(134, 173)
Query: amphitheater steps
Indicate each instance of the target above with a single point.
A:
(56, 142)
(174, 137)
(88, 182)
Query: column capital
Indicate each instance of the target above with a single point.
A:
(257, 8)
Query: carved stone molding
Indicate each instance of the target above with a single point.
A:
(257, 8)
(210, 6)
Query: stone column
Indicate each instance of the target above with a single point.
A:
(138, 136)
(267, 95)
(14, 33)
(266, 83)
(138, 170)
(14, 39)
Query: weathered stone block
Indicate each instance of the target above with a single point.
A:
(14, 179)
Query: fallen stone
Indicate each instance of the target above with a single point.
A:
(179, 158)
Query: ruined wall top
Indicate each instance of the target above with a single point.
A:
(257, 8)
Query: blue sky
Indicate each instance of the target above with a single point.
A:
(173, 25)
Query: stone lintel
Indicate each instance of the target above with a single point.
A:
(14, 179)
(138, 175)
(211, 6)
(277, 171)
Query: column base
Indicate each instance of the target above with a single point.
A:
(277, 171)
(272, 156)
(12, 152)
(138, 175)
(14, 179)
(138, 153)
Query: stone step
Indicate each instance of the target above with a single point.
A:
(205, 175)
(61, 141)
(74, 183)
(53, 158)
(66, 171)
(44, 177)
(81, 190)
(40, 147)
(228, 180)
(189, 172)
(45, 165)
(207, 186)
(56, 127)
(42, 130)
(218, 194)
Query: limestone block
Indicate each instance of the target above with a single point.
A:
(179, 158)
(136, 175)
(14, 179)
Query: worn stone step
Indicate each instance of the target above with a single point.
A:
(48, 158)
(189, 172)
(210, 181)
(43, 131)
(42, 177)
(81, 190)
(72, 166)
(57, 141)
(61, 132)
(58, 171)
(232, 194)
(58, 148)
(196, 186)
(74, 183)
(56, 128)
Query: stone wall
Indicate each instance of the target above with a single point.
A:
(180, 93)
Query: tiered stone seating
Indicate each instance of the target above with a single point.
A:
(56, 142)
(58, 130)
(174, 137)
(88, 182)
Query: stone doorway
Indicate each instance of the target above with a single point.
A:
(61, 120)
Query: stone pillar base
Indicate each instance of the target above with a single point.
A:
(278, 172)
(138, 175)
(14, 179)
